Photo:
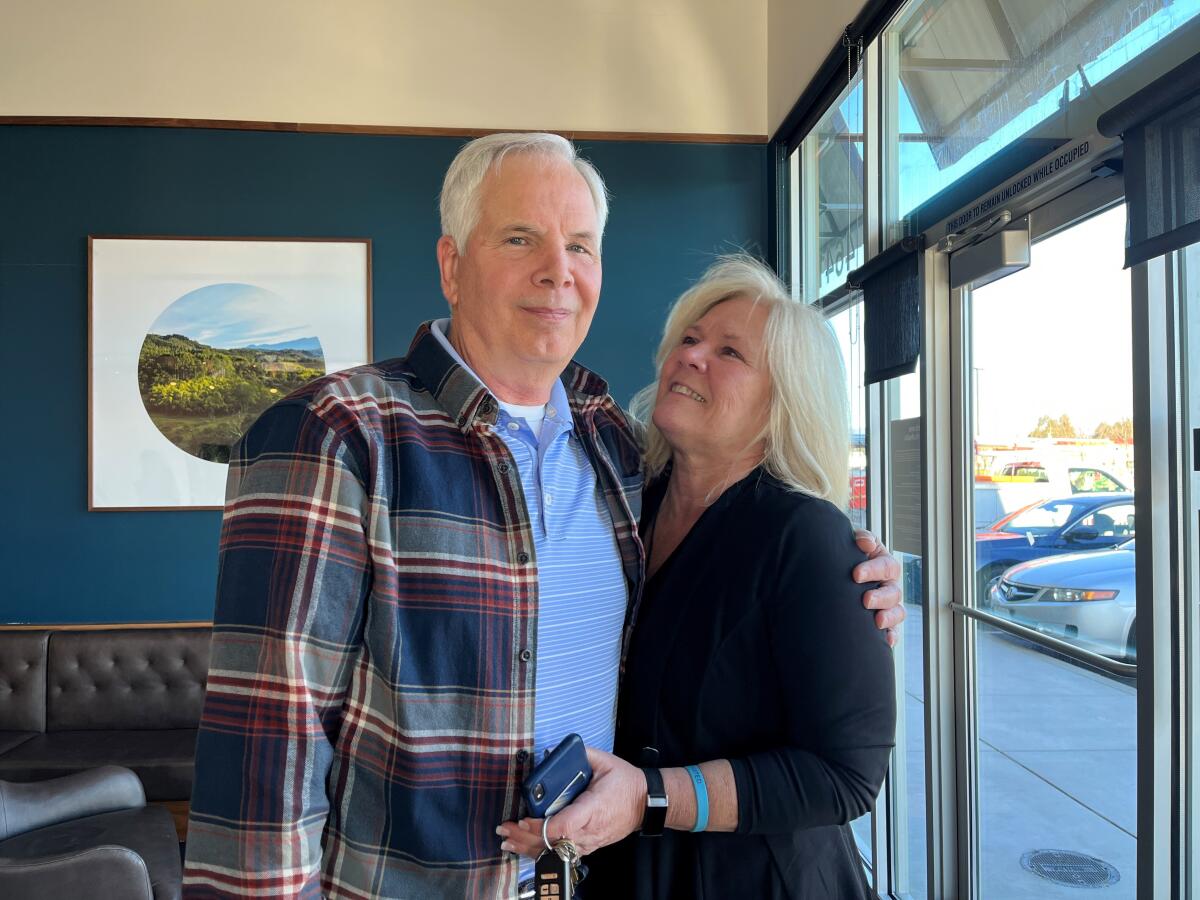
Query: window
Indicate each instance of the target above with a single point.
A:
(832, 176)
(1106, 523)
(1084, 481)
(1187, 263)
(1019, 472)
(847, 327)
(902, 415)
(1044, 519)
(969, 80)
(1019, 734)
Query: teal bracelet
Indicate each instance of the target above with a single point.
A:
(701, 798)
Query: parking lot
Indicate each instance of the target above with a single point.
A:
(1057, 765)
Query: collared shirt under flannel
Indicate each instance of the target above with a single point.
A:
(581, 585)
(369, 718)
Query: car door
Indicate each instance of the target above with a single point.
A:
(1104, 527)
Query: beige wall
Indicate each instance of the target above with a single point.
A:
(801, 34)
(690, 66)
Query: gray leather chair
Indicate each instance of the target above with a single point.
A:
(89, 834)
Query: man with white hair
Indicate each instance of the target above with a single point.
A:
(427, 568)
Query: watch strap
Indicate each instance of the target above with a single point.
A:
(654, 819)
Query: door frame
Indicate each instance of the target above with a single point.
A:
(1074, 183)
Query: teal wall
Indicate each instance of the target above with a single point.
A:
(674, 206)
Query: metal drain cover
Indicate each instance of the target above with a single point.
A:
(1070, 868)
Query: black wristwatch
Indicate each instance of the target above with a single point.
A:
(655, 817)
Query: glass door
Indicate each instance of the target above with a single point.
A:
(1053, 569)
(1031, 553)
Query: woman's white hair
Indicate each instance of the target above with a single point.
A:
(459, 201)
(807, 435)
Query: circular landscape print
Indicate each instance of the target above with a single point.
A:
(216, 358)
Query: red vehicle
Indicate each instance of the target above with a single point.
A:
(858, 491)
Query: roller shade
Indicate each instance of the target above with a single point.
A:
(892, 310)
(1160, 126)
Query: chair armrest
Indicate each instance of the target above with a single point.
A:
(24, 807)
(114, 873)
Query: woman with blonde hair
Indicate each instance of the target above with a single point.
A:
(758, 695)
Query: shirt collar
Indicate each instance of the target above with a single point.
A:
(559, 406)
(462, 394)
(440, 327)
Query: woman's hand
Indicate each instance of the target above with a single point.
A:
(610, 808)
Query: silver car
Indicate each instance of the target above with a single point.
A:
(1087, 599)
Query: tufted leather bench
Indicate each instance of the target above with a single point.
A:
(72, 700)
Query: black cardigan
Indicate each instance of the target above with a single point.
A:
(752, 644)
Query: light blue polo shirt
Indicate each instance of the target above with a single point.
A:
(582, 594)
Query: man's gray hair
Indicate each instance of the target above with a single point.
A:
(459, 201)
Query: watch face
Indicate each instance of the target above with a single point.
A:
(654, 821)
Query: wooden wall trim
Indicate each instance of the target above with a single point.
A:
(100, 626)
(179, 812)
(416, 131)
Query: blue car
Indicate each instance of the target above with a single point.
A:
(1074, 524)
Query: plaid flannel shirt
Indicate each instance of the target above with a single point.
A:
(369, 716)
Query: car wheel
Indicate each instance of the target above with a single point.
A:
(1131, 643)
(985, 578)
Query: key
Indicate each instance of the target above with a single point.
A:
(568, 851)
(554, 872)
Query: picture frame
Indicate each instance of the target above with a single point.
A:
(191, 338)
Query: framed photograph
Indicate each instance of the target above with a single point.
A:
(190, 339)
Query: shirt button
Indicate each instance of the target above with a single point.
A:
(526, 655)
(522, 755)
(514, 426)
(549, 499)
(550, 411)
(503, 467)
(522, 557)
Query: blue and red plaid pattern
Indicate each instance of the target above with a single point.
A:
(369, 718)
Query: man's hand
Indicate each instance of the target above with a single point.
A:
(610, 808)
(881, 566)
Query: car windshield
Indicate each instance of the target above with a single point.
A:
(1128, 545)
(1043, 519)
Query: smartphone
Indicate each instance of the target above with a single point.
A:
(558, 779)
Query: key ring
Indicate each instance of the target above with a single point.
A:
(546, 840)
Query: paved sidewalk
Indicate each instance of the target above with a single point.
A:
(1057, 759)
